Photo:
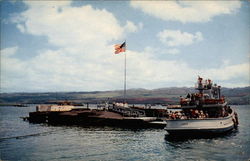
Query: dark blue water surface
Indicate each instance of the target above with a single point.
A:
(20, 140)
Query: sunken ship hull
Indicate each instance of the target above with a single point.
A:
(112, 116)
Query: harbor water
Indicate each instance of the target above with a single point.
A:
(21, 140)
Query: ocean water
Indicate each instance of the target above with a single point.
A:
(21, 140)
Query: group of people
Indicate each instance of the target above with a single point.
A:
(199, 99)
(191, 99)
(188, 114)
(199, 113)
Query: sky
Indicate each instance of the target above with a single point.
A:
(53, 46)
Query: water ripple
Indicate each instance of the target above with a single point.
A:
(20, 140)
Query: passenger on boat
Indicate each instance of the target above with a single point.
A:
(206, 115)
(188, 96)
(190, 114)
(192, 100)
(236, 118)
(202, 115)
(172, 115)
(196, 114)
(183, 116)
(229, 110)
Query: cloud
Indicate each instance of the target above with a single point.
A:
(10, 69)
(9, 51)
(177, 38)
(147, 71)
(59, 70)
(55, 70)
(173, 51)
(21, 28)
(71, 26)
(186, 11)
(83, 54)
(131, 27)
(83, 59)
(226, 72)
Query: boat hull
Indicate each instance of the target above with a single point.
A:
(200, 126)
(203, 132)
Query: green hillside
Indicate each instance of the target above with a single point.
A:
(162, 95)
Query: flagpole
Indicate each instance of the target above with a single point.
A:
(125, 73)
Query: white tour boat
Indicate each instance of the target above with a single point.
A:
(204, 112)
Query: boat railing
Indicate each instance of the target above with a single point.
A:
(229, 115)
(197, 106)
(130, 112)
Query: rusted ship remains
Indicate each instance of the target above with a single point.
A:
(116, 114)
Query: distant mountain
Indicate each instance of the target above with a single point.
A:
(162, 95)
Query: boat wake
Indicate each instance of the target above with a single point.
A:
(28, 135)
